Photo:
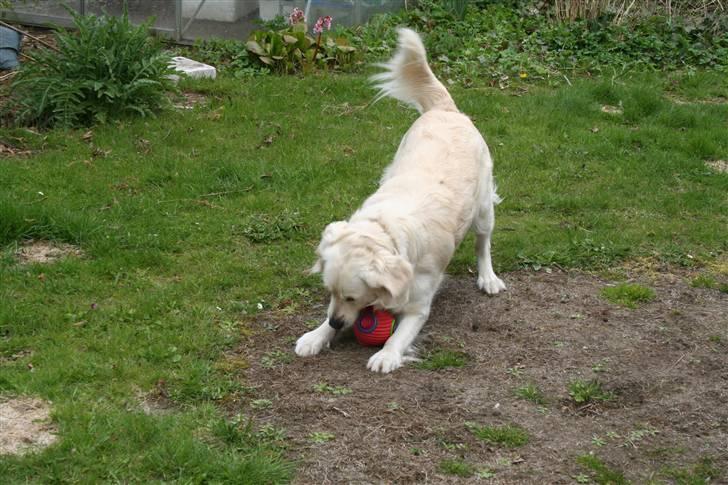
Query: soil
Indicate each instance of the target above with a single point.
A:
(666, 363)
(25, 425)
(718, 165)
(45, 252)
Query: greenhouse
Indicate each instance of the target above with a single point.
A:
(187, 20)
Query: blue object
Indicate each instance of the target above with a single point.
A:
(9, 48)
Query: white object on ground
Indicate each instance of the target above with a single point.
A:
(192, 68)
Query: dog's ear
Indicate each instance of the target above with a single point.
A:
(391, 279)
(331, 234)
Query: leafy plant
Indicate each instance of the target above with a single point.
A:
(442, 359)
(105, 69)
(509, 436)
(325, 388)
(583, 392)
(457, 467)
(531, 393)
(602, 473)
(291, 49)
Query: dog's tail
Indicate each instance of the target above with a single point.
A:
(407, 77)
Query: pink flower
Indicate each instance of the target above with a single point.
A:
(321, 23)
(296, 16)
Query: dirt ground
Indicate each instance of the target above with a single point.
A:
(25, 425)
(666, 362)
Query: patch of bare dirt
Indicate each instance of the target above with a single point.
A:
(666, 363)
(45, 252)
(188, 100)
(718, 165)
(25, 425)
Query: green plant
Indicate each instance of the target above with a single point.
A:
(509, 436)
(443, 359)
(457, 467)
(602, 473)
(628, 295)
(292, 50)
(583, 392)
(531, 393)
(321, 437)
(701, 473)
(261, 228)
(107, 68)
(325, 388)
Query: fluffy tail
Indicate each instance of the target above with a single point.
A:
(407, 77)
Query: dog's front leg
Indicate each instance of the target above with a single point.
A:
(392, 354)
(311, 343)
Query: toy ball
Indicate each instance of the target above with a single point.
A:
(374, 327)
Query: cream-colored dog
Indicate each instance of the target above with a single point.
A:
(393, 251)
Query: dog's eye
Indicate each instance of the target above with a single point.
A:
(350, 299)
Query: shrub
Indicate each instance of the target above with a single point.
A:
(107, 68)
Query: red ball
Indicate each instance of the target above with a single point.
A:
(374, 327)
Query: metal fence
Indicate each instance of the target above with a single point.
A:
(187, 20)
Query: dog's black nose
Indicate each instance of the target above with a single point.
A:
(336, 323)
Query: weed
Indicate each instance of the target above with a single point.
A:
(701, 473)
(508, 436)
(106, 69)
(628, 295)
(261, 404)
(443, 359)
(583, 392)
(597, 441)
(325, 388)
(485, 473)
(275, 359)
(457, 467)
(516, 371)
(637, 435)
(531, 393)
(320, 437)
(708, 281)
(261, 228)
(600, 366)
(602, 474)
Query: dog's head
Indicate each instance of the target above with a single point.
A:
(359, 269)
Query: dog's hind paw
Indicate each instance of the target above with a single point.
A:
(385, 361)
(491, 284)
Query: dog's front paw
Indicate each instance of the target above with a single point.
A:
(491, 284)
(385, 361)
(311, 343)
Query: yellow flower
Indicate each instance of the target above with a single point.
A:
(523, 75)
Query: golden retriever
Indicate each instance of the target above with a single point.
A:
(393, 251)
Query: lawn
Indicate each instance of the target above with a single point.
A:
(193, 223)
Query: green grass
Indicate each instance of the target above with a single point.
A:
(628, 295)
(583, 392)
(601, 472)
(192, 222)
(443, 359)
(701, 473)
(532, 393)
(508, 436)
(710, 282)
(457, 467)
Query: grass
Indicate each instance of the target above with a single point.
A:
(628, 295)
(701, 473)
(443, 359)
(194, 222)
(710, 282)
(583, 392)
(508, 436)
(530, 392)
(601, 472)
(457, 467)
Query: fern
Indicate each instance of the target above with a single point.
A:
(107, 68)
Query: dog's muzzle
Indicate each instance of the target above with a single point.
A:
(336, 323)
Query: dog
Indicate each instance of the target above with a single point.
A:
(392, 253)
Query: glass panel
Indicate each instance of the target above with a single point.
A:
(162, 11)
(41, 12)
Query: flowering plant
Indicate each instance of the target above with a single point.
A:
(292, 49)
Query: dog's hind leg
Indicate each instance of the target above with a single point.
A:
(483, 227)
